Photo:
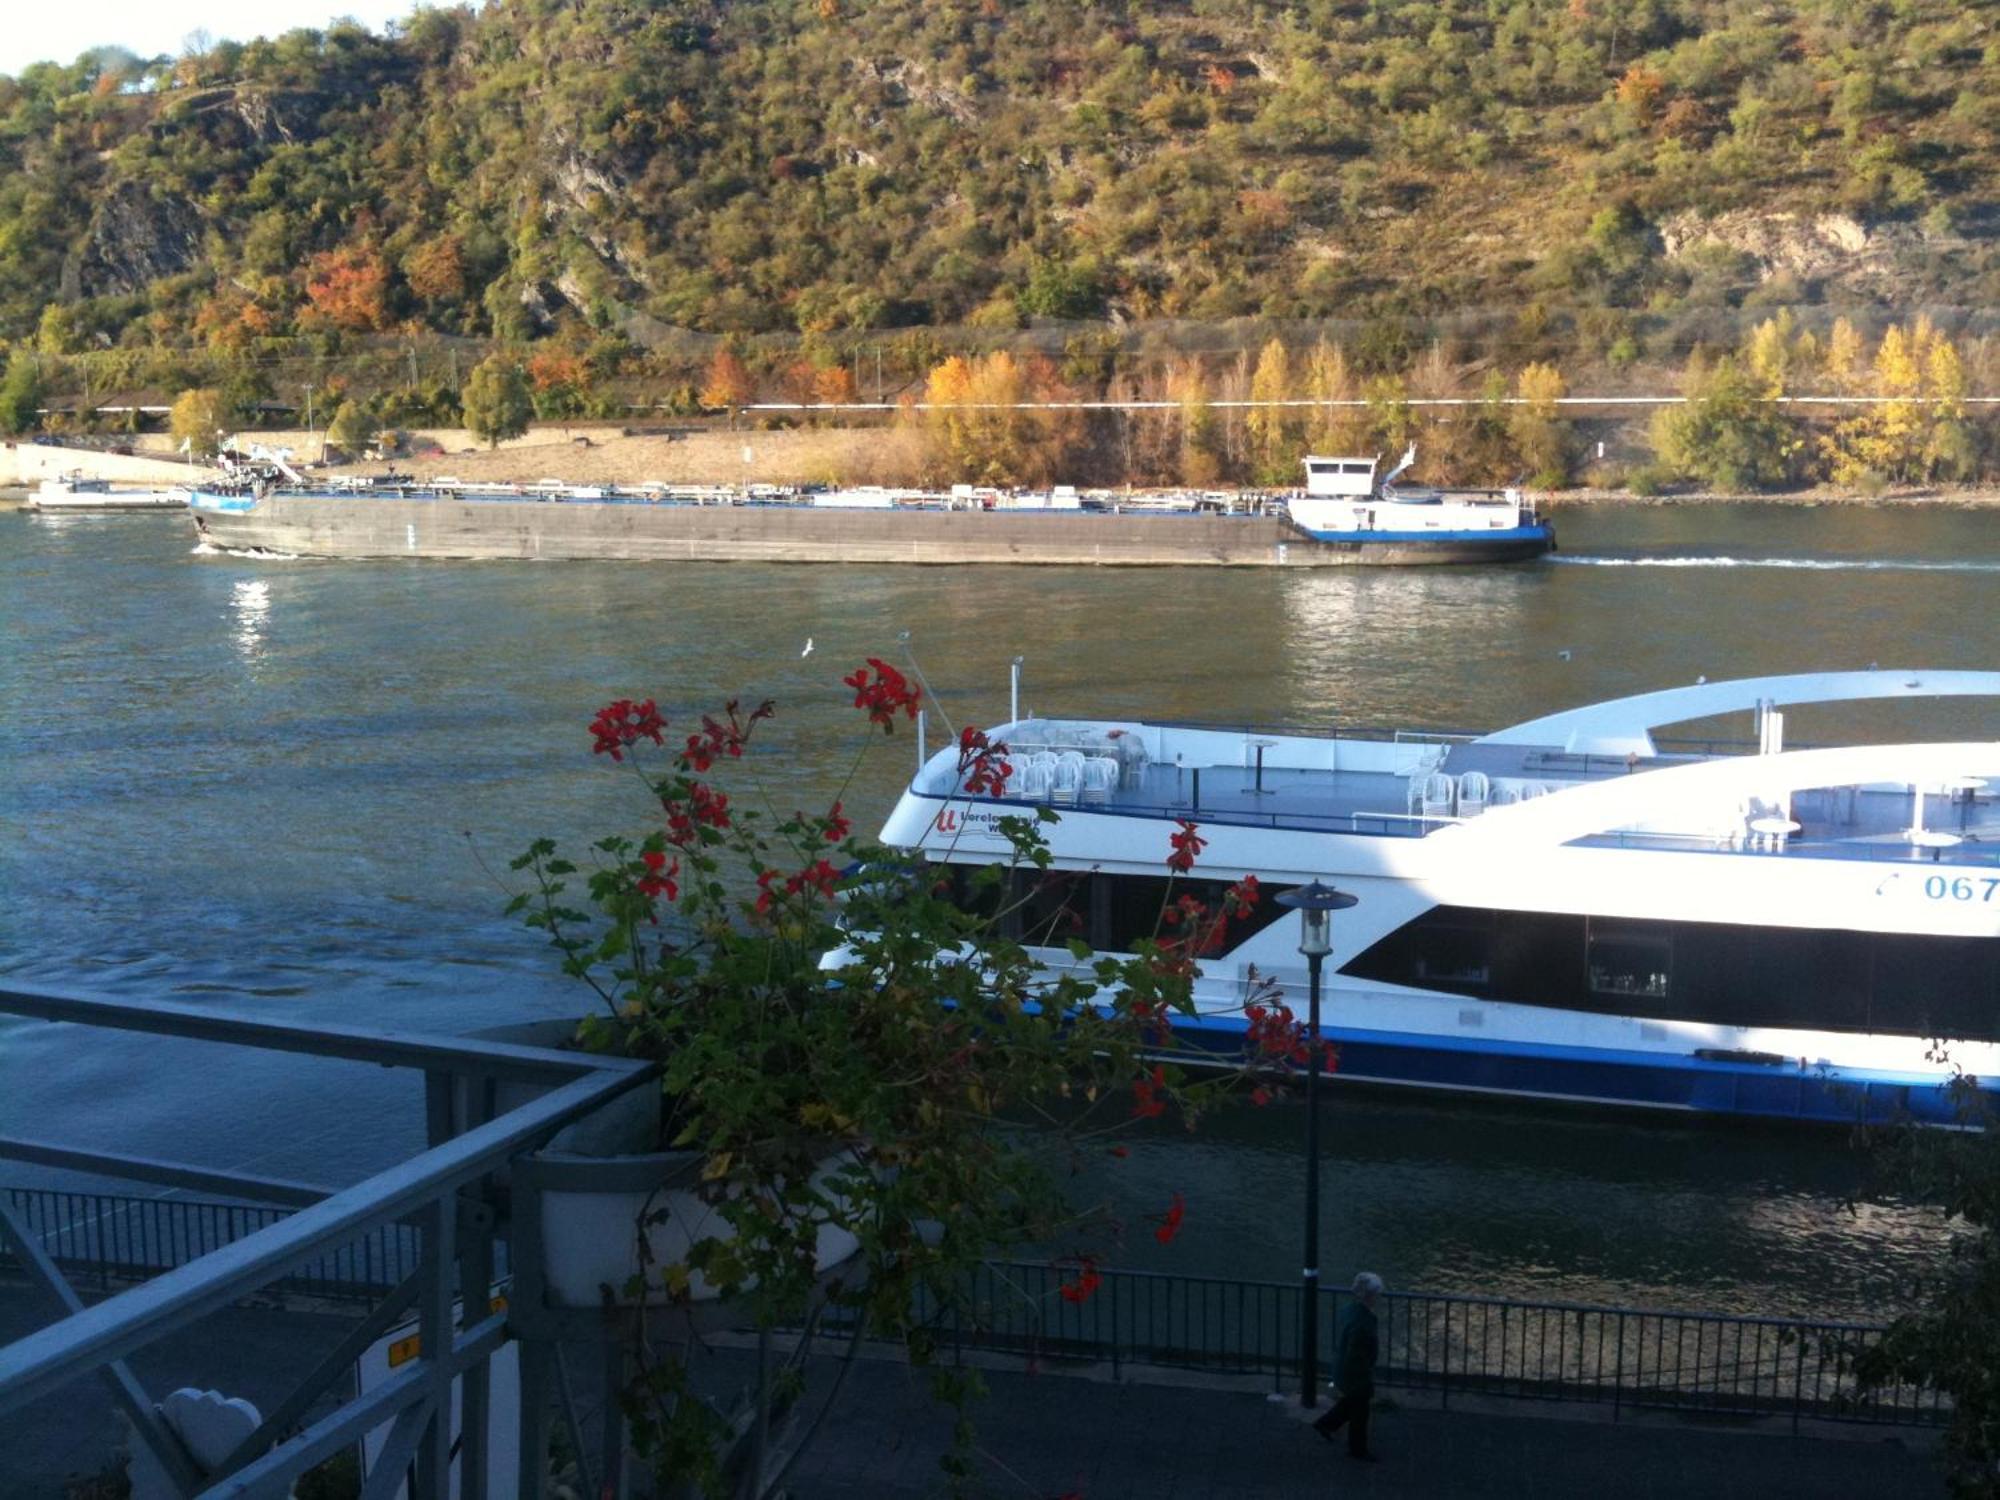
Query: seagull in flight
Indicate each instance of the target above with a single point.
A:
(1563, 655)
(809, 649)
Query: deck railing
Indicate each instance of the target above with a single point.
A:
(1447, 1344)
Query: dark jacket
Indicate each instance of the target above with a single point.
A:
(1354, 1349)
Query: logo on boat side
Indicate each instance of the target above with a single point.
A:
(968, 822)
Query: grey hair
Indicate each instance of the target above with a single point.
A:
(1367, 1284)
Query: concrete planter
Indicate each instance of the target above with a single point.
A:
(594, 1211)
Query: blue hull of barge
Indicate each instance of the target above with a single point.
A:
(1771, 1091)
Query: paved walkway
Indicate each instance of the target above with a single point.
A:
(1048, 1436)
(1051, 1435)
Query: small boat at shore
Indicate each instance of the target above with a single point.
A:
(1342, 518)
(76, 492)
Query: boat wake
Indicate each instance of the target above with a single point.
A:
(1810, 564)
(205, 549)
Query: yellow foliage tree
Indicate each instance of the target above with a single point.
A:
(1539, 435)
(1201, 460)
(1845, 355)
(196, 419)
(1884, 443)
(946, 392)
(1949, 452)
(1772, 357)
(1337, 430)
(1273, 442)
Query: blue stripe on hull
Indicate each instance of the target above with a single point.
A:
(1584, 1075)
(1542, 534)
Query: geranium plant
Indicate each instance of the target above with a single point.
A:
(844, 1048)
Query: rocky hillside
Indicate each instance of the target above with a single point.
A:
(826, 165)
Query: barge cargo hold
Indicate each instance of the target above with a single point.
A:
(444, 524)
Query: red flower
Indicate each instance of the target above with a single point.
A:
(1170, 1225)
(888, 691)
(624, 722)
(1146, 1100)
(836, 827)
(1260, 1096)
(1120, 1152)
(818, 876)
(1275, 1032)
(1186, 845)
(1086, 1284)
(704, 805)
(716, 739)
(983, 766)
(764, 896)
(659, 877)
(1243, 896)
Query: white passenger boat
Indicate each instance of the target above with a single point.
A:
(1571, 908)
(73, 492)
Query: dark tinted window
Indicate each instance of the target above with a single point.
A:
(1710, 972)
(1046, 908)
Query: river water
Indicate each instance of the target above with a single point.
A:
(293, 786)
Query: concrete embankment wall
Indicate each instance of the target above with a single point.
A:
(29, 464)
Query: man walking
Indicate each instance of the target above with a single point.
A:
(1354, 1349)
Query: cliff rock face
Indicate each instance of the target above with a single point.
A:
(135, 238)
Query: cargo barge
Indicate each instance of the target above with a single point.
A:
(1321, 527)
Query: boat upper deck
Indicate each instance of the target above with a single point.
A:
(1413, 785)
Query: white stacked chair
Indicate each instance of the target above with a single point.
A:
(1100, 779)
(1036, 779)
(1474, 793)
(1440, 795)
(1068, 778)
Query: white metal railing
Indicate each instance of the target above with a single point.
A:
(476, 1129)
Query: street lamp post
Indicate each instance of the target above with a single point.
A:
(1315, 904)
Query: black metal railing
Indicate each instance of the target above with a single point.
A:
(109, 1239)
(1623, 1358)
(1796, 1369)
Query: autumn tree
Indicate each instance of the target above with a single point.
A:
(946, 391)
(1339, 427)
(197, 418)
(498, 402)
(1273, 441)
(1846, 356)
(833, 385)
(1885, 442)
(728, 384)
(435, 269)
(1540, 436)
(1201, 435)
(558, 382)
(1949, 449)
(1444, 436)
(348, 289)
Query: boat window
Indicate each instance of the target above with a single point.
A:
(1710, 973)
(1109, 912)
(1055, 906)
(1457, 954)
(1630, 959)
